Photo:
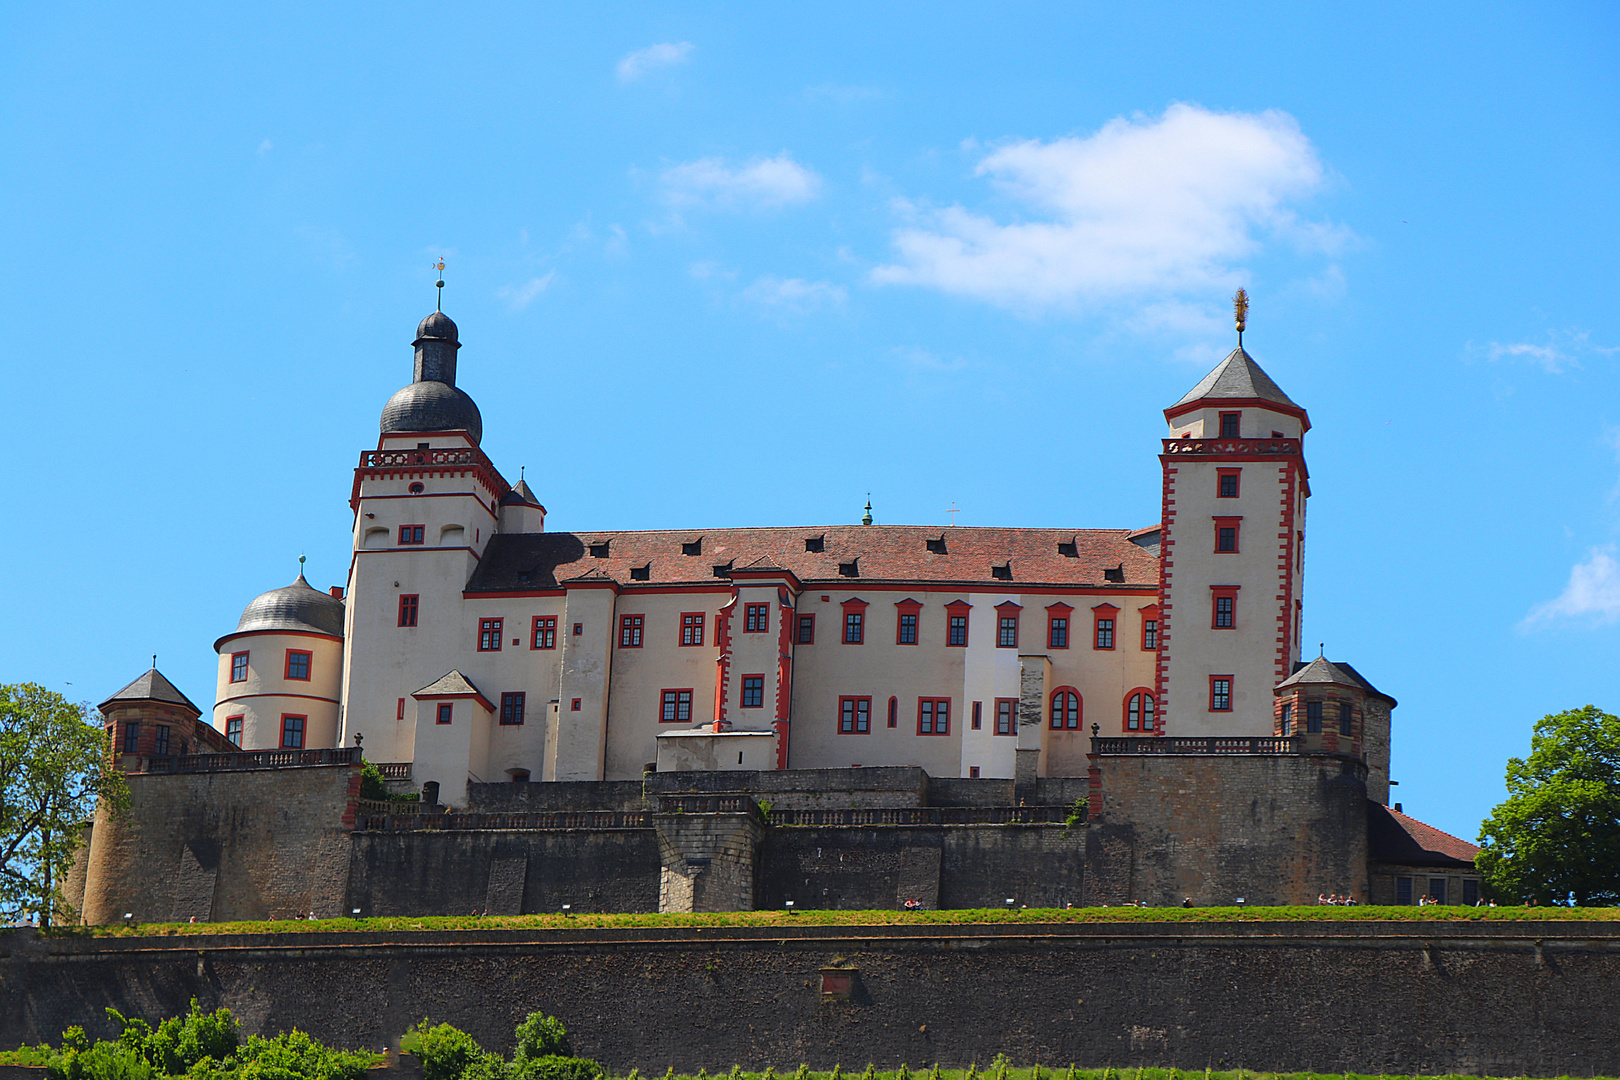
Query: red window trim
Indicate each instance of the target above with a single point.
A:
(1221, 429)
(855, 715)
(913, 608)
(635, 630)
(1217, 593)
(894, 712)
(763, 621)
(410, 605)
(518, 697)
(1235, 524)
(541, 623)
(1229, 692)
(491, 630)
(1125, 711)
(240, 719)
(1222, 474)
(412, 534)
(853, 606)
(1062, 611)
(1052, 719)
(1098, 614)
(309, 665)
(978, 716)
(935, 703)
(959, 609)
(244, 656)
(1007, 610)
(399, 709)
(444, 712)
(1150, 614)
(799, 626)
(690, 704)
(1012, 715)
(742, 695)
(303, 732)
(696, 627)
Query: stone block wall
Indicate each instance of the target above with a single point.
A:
(708, 861)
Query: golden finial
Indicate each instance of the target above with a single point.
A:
(1240, 312)
(439, 266)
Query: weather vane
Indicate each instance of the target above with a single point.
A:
(1240, 312)
(438, 304)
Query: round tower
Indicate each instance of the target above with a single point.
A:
(1331, 709)
(281, 670)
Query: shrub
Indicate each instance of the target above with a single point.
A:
(447, 1052)
(558, 1067)
(294, 1055)
(541, 1036)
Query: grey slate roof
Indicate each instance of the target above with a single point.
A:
(519, 495)
(451, 682)
(296, 608)
(1323, 670)
(1238, 376)
(152, 686)
(432, 406)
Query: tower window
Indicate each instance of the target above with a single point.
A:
(292, 732)
(756, 618)
(807, 630)
(1287, 719)
(489, 635)
(1227, 483)
(1231, 424)
(417, 489)
(412, 534)
(298, 665)
(978, 715)
(239, 667)
(1344, 719)
(160, 739)
(545, 632)
(1226, 534)
(1313, 717)
(1223, 614)
(675, 707)
(446, 712)
(894, 712)
(233, 729)
(753, 691)
(691, 628)
(1150, 635)
(1220, 693)
(512, 709)
(132, 737)
(407, 609)
(1006, 709)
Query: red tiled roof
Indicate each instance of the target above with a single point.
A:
(520, 562)
(1393, 837)
(1432, 839)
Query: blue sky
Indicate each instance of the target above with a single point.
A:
(939, 253)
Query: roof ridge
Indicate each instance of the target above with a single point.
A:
(1435, 828)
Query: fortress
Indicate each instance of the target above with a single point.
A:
(839, 715)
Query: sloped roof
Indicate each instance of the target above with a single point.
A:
(152, 686)
(1322, 670)
(519, 495)
(453, 684)
(1238, 376)
(519, 562)
(1393, 837)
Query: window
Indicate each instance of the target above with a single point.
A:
(292, 732)
(132, 738)
(1287, 718)
(807, 630)
(756, 618)
(1437, 889)
(973, 772)
(239, 667)
(1344, 719)
(573, 705)
(1065, 709)
(1150, 635)
(630, 631)
(1006, 710)
(894, 712)
(1403, 890)
(512, 709)
(1222, 616)
(978, 715)
(1226, 534)
(1006, 626)
(1313, 717)
(753, 691)
(411, 534)
(446, 712)
(233, 729)
(1057, 626)
(933, 716)
(854, 715)
(489, 635)
(160, 739)
(298, 665)
(1103, 626)
(1220, 693)
(1140, 709)
(691, 628)
(1470, 892)
(1227, 483)
(1231, 424)
(956, 624)
(408, 605)
(905, 624)
(579, 628)
(545, 632)
(399, 709)
(676, 707)
(853, 627)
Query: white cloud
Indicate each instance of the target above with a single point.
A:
(794, 295)
(521, 296)
(774, 181)
(642, 61)
(1144, 207)
(1593, 591)
(1563, 350)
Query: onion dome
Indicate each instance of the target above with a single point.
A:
(296, 608)
(431, 402)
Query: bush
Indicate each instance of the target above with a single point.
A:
(557, 1067)
(541, 1036)
(447, 1052)
(293, 1055)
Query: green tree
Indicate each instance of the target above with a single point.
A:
(1556, 839)
(54, 767)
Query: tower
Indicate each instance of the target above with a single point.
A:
(1231, 553)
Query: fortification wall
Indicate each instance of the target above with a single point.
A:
(251, 844)
(1502, 999)
(1271, 828)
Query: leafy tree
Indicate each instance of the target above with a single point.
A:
(446, 1051)
(1556, 839)
(54, 767)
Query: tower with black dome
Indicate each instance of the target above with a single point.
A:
(281, 670)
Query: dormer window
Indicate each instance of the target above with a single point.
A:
(723, 570)
(1115, 573)
(937, 547)
(1002, 572)
(850, 569)
(815, 543)
(692, 547)
(1069, 550)
(641, 573)
(599, 550)
(1231, 424)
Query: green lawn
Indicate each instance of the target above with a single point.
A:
(1043, 1072)
(586, 920)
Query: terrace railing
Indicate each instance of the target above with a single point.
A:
(1214, 744)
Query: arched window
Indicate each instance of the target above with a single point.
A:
(1065, 709)
(1141, 711)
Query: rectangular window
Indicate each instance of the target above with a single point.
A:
(1224, 603)
(906, 631)
(1287, 719)
(298, 665)
(1105, 633)
(132, 738)
(894, 712)
(239, 661)
(1313, 717)
(807, 630)
(1057, 632)
(512, 709)
(489, 635)
(691, 628)
(292, 732)
(630, 631)
(160, 739)
(1220, 693)
(854, 715)
(1231, 424)
(1226, 534)
(1437, 889)
(447, 711)
(978, 715)
(756, 618)
(1470, 892)
(399, 709)
(407, 609)
(1344, 719)
(933, 716)
(1005, 711)
(676, 707)
(545, 632)
(1007, 632)
(956, 633)
(411, 534)
(233, 729)
(1150, 634)
(753, 691)
(854, 627)
(1227, 484)
(1403, 890)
